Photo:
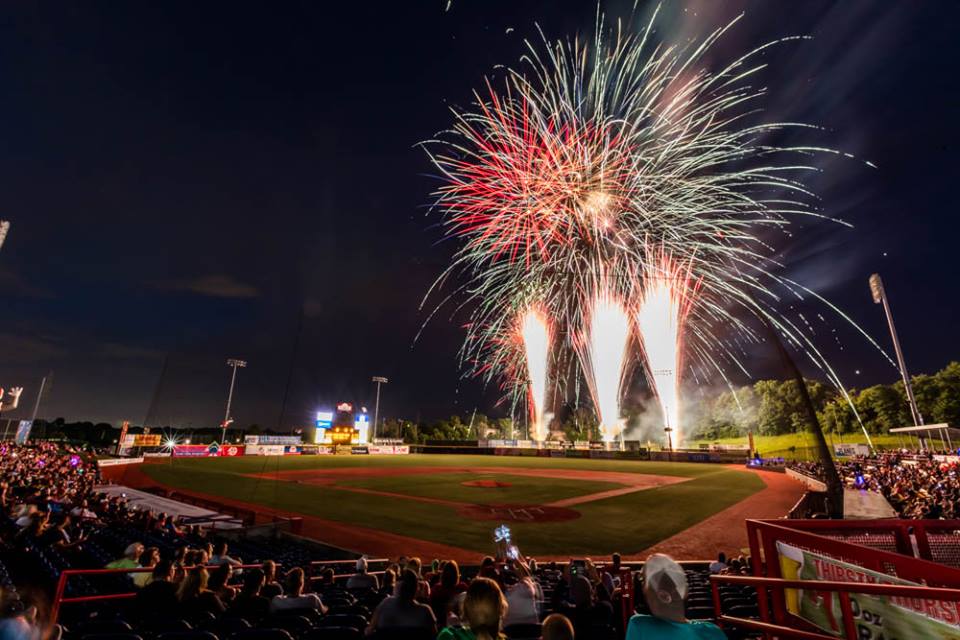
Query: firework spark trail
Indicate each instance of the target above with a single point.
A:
(603, 360)
(536, 341)
(566, 172)
(660, 316)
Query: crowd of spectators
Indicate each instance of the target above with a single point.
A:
(916, 485)
(196, 581)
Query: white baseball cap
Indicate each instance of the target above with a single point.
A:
(660, 573)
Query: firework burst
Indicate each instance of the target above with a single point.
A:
(601, 174)
(661, 313)
(535, 332)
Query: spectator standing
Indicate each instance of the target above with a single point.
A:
(523, 598)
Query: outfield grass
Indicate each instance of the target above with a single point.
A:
(629, 523)
(449, 486)
(270, 464)
(801, 446)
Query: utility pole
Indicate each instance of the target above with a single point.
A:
(235, 364)
(880, 297)
(376, 407)
(36, 405)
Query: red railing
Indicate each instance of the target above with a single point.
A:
(843, 590)
(763, 536)
(59, 598)
(340, 576)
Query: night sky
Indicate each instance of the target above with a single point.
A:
(192, 181)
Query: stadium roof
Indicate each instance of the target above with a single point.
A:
(941, 426)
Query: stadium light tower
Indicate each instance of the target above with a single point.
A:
(376, 407)
(235, 364)
(880, 297)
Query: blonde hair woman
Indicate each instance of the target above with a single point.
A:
(484, 609)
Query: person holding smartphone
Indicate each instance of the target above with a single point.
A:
(523, 598)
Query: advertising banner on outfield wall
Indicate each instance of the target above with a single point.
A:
(232, 450)
(388, 450)
(195, 450)
(264, 450)
(686, 456)
(316, 450)
(268, 440)
(113, 462)
(876, 617)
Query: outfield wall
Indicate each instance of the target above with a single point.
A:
(720, 457)
(586, 451)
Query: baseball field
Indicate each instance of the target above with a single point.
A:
(448, 505)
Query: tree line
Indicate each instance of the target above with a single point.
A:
(766, 407)
(773, 407)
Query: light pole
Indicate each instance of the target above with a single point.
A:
(4, 230)
(235, 364)
(880, 297)
(376, 407)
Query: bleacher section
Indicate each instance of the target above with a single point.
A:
(186, 514)
(59, 567)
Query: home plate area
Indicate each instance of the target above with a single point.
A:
(518, 513)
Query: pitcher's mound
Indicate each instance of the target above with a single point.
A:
(486, 484)
(518, 513)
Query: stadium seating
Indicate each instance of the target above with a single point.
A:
(104, 529)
